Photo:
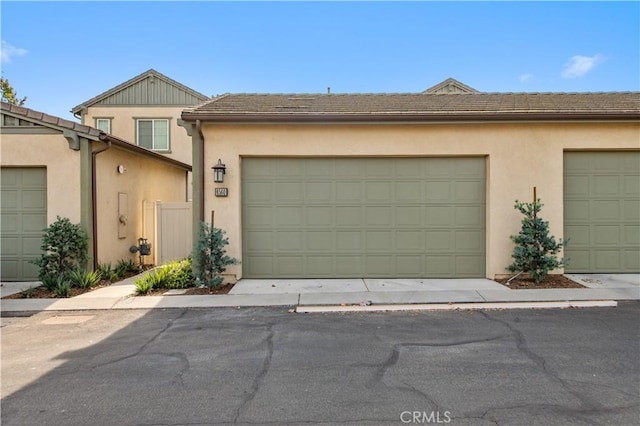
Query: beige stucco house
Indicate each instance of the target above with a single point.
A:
(54, 167)
(144, 111)
(417, 184)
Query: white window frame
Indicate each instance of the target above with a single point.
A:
(108, 120)
(153, 141)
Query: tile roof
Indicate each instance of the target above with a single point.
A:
(417, 106)
(149, 73)
(51, 120)
(85, 131)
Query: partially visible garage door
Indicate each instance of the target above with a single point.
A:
(363, 217)
(24, 216)
(602, 211)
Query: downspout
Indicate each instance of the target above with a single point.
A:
(94, 201)
(201, 159)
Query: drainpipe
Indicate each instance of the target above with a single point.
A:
(202, 173)
(94, 202)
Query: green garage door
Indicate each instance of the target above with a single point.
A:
(24, 216)
(602, 211)
(363, 217)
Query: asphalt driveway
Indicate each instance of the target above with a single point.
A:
(268, 366)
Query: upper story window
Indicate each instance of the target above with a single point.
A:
(103, 124)
(153, 133)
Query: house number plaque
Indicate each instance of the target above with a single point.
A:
(221, 192)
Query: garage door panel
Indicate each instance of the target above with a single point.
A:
(289, 241)
(606, 185)
(408, 216)
(348, 215)
(377, 191)
(317, 265)
(576, 210)
(631, 185)
(437, 191)
(378, 241)
(378, 216)
(10, 245)
(439, 241)
(439, 266)
(33, 222)
(631, 211)
(259, 240)
(607, 260)
(467, 265)
(349, 241)
(579, 235)
(606, 235)
(319, 216)
(289, 191)
(348, 191)
(469, 241)
(378, 265)
(469, 191)
(31, 246)
(439, 216)
(472, 216)
(319, 192)
(601, 219)
(318, 241)
(605, 210)
(409, 265)
(631, 235)
(259, 216)
(631, 260)
(289, 216)
(410, 241)
(408, 191)
(364, 217)
(576, 186)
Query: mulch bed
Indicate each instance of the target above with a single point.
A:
(550, 281)
(195, 291)
(42, 293)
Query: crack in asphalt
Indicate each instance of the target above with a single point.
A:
(146, 344)
(522, 346)
(395, 354)
(266, 363)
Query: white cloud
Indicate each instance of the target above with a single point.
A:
(8, 51)
(525, 77)
(578, 65)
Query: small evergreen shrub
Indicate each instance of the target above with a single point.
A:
(64, 247)
(535, 251)
(211, 256)
(179, 274)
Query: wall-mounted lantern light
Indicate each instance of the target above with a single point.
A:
(219, 171)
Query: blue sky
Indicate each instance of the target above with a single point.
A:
(60, 54)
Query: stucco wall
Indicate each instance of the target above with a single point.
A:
(123, 125)
(63, 169)
(519, 156)
(144, 179)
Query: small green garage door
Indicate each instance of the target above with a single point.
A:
(24, 216)
(363, 217)
(602, 211)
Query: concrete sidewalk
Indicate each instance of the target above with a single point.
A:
(360, 293)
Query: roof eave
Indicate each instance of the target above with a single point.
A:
(105, 137)
(407, 117)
